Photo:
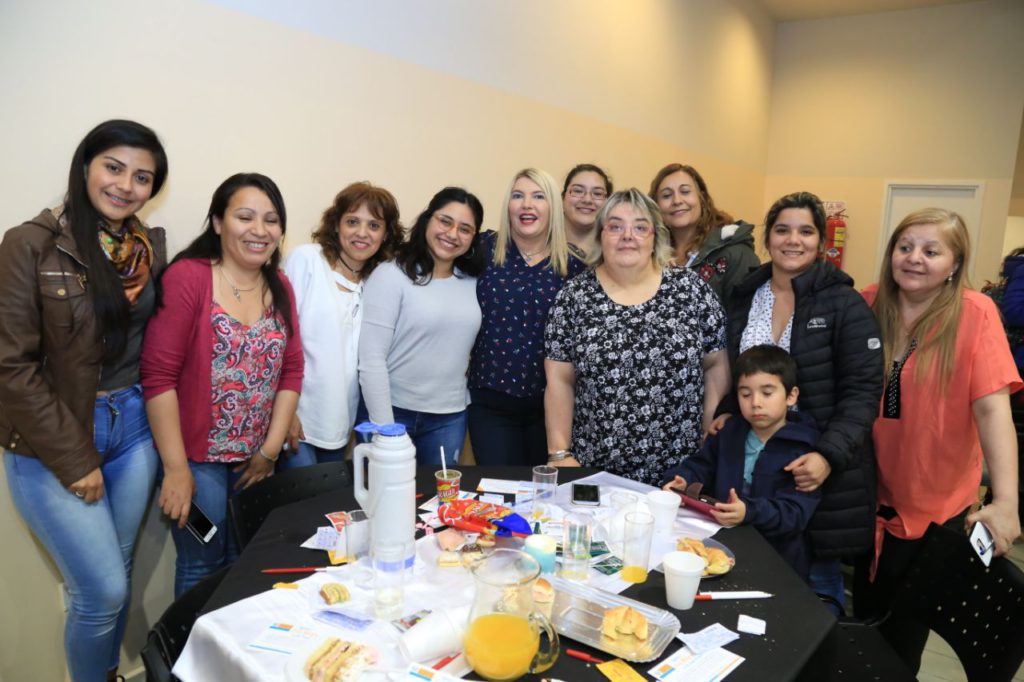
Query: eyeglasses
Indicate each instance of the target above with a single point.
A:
(639, 230)
(578, 192)
(447, 222)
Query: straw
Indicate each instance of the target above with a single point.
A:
(444, 467)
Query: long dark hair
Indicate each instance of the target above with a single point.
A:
(207, 246)
(414, 256)
(105, 287)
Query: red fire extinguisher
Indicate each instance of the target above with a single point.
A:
(835, 238)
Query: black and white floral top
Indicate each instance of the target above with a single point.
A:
(759, 322)
(639, 371)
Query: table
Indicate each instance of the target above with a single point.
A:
(800, 631)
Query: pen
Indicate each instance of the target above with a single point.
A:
(445, 661)
(582, 655)
(711, 596)
(299, 569)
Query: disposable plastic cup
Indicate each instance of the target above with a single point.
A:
(664, 506)
(639, 529)
(683, 571)
(448, 485)
(545, 483)
(625, 501)
(577, 531)
(438, 634)
(389, 575)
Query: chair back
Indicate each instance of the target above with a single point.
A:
(166, 640)
(249, 508)
(978, 610)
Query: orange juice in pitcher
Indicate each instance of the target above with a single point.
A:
(501, 646)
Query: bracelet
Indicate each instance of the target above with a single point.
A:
(265, 455)
(559, 455)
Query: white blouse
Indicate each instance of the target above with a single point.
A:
(758, 331)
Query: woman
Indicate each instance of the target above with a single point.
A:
(420, 319)
(528, 261)
(222, 366)
(585, 190)
(358, 232)
(704, 238)
(76, 289)
(946, 406)
(635, 350)
(803, 304)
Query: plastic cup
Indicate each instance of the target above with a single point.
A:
(664, 505)
(438, 634)
(577, 530)
(545, 482)
(636, 546)
(448, 485)
(389, 575)
(622, 501)
(683, 571)
(542, 548)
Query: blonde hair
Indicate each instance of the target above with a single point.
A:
(936, 330)
(662, 253)
(557, 242)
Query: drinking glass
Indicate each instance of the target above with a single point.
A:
(639, 530)
(577, 531)
(545, 482)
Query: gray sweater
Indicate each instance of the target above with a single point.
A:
(415, 342)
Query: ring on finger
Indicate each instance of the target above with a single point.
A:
(79, 493)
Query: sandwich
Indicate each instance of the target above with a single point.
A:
(334, 593)
(338, 661)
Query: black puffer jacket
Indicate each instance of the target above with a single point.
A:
(838, 351)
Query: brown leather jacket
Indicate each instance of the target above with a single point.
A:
(50, 351)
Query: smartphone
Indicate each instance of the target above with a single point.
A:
(200, 525)
(586, 494)
(982, 542)
(699, 502)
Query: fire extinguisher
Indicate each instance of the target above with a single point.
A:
(835, 238)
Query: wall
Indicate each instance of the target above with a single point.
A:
(321, 94)
(928, 94)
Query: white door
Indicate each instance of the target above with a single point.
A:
(903, 197)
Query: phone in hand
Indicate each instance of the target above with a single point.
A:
(696, 500)
(586, 494)
(200, 525)
(982, 542)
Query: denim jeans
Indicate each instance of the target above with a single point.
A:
(309, 454)
(429, 432)
(827, 578)
(92, 543)
(214, 485)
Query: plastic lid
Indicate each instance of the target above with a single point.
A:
(382, 429)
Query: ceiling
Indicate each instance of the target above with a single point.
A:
(795, 10)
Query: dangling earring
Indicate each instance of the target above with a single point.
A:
(949, 280)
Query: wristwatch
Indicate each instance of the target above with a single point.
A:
(559, 455)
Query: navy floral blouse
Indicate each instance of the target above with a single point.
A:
(514, 300)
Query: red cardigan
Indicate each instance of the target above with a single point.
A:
(178, 349)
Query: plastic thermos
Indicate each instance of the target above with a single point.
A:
(385, 485)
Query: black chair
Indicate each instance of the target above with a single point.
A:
(249, 508)
(979, 611)
(166, 640)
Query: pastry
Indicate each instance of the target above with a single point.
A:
(718, 562)
(624, 620)
(543, 596)
(334, 593)
(338, 661)
(449, 559)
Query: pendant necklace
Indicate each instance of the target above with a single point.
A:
(236, 290)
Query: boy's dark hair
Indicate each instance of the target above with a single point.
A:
(767, 359)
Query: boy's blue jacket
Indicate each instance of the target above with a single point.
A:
(774, 506)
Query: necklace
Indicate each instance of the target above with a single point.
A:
(356, 274)
(529, 256)
(236, 290)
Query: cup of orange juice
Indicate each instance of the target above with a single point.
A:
(636, 546)
(503, 639)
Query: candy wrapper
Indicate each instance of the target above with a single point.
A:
(483, 517)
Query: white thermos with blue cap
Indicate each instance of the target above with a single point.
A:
(385, 485)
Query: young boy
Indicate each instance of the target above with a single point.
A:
(743, 464)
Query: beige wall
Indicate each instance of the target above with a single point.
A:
(927, 94)
(411, 99)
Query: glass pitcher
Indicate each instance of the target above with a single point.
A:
(502, 641)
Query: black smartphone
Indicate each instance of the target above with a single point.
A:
(200, 525)
(586, 494)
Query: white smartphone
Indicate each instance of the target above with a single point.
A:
(982, 542)
(586, 494)
(200, 525)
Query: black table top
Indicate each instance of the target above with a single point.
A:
(797, 623)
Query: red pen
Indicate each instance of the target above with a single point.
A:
(582, 655)
(445, 661)
(298, 569)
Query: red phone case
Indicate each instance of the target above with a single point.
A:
(702, 504)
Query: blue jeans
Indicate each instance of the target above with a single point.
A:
(215, 483)
(309, 454)
(92, 543)
(429, 432)
(827, 578)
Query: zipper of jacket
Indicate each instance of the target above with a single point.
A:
(82, 279)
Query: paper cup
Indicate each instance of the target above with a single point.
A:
(664, 505)
(438, 634)
(448, 486)
(682, 578)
